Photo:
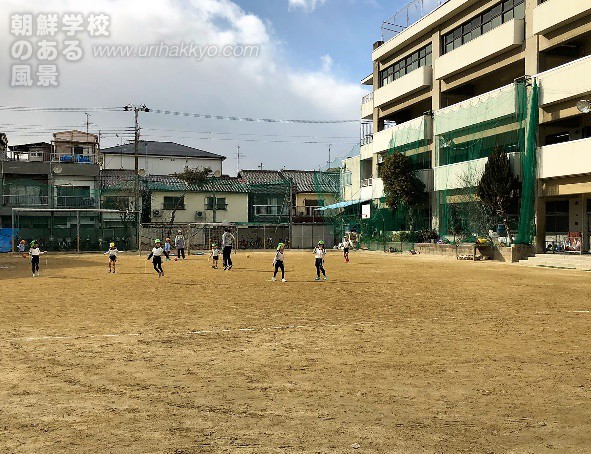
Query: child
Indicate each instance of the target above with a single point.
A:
(278, 262)
(156, 256)
(112, 253)
(35, 252)
(214, 255)
(319, 253)
(346, 246)
(167, 248)
(179, 243)
(21, 249)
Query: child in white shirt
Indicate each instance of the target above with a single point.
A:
(319, 253)
(214, 256)
(156, 256)
(112, 253)
(278, 262)
(34, 253)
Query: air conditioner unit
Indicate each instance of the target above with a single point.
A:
(156, 213)
(198, 214)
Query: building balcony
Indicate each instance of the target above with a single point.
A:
(501, 39)
(367, 107)
(417, 130)
(412, 82)
(565, 159)
(565, 82)
(494, 105)
(366, 151)
(67, 158)
(466, 174)
(79, 202)
(553, 14)
(270, 210)
(29, 201)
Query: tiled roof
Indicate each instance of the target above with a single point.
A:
(303, 180)
(154, 148)
(171, 183)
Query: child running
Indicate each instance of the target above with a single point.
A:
(319, 253)
(214, 256)
(112, 253)
(278, 262)
(21, 249)
(346, 246)
(156, 256)
(34, 253)
(167, 248)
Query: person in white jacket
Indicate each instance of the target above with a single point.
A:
(279, 263)
(319, 253)
(35, 253)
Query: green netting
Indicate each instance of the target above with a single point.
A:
(465, 135)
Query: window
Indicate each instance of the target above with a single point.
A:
(218, 202)
(347, 178)
(116, 203)
(557, 216)
(483, 23)
(416, 60)
(171, 203)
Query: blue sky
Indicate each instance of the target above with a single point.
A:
(309, 67)
(343, 29)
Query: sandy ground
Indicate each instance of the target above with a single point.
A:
(394, 354)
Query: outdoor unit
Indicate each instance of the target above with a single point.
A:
(156, 213)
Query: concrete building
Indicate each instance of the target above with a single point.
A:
(159, 158)
(39, 175)
(465, 56)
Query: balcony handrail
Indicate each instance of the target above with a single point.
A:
(367, 182)
(75, 201)
(367, 98)
(73, 157)
(25, 200)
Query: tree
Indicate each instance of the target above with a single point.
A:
(498, 187)
(402, 187)
(191, 178)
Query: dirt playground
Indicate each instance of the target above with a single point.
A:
(393, 354)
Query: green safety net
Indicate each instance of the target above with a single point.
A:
(465, 136)
(66, 217)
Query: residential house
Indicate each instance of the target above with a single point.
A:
(160, 158)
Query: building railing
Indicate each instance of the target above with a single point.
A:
(73, 158)
(366, 182)
(366, 140)
(270, 210)
(21, 200)
(367, 98)
(75, 202)
(308, 214)
(408, 15)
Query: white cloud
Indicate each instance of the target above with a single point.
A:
(305, 5)
(266, 86)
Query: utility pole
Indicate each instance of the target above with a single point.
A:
(238, 156)
(136, 146)
(261, 166)
(87, 123)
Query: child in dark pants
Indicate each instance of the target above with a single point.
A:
(156, 256)
(278, 262)
(35, 252)
(319, 253)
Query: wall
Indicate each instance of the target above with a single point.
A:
(195, 201)
(155, 165)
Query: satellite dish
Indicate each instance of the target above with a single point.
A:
(141, 172)
(57, 169)
(217, 174)
(584, 106)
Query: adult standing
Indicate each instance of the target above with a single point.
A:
(227, 243)
(179, 244)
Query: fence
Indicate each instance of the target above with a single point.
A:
(199, 237)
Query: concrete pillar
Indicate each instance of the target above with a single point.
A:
(532, 42)
(540, 225)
